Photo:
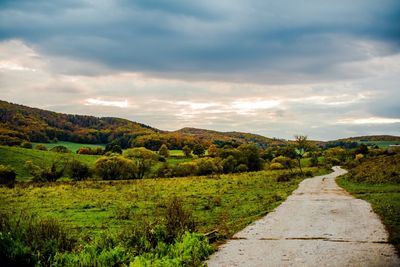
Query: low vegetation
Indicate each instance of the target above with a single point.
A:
(377, 180)
(136, 222)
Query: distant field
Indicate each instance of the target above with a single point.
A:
(71, 146)
(176, 153)
(16, 157)
(226, 202)
(383, 144)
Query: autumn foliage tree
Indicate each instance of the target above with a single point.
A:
(142, 159)
(163, 151)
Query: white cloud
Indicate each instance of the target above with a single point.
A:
(370, 120)
(99, 102)
(321, 110)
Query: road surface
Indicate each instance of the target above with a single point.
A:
(320, 224)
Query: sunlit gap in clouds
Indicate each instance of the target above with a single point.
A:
(99, 102)
(371, 120)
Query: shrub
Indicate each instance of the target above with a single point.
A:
(286, 162)
(90, 151)
(189, 250)
(7, 175)
(207, 166)
(359, 157)
(142, 160)
(332, 161)
(46, 173)
(163, 151)
(276, 166)
(164, 171)
(26, 144)
(78, 170)
(185, 169)
(113, 148)
(178, 219)
(241, 168)
(285, 177)
(187, 151)
(60, 149)
(114, 168)
(29, 241)
(199, 150)
(41, 147)
(229, 164)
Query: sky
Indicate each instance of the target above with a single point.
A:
(326, 69)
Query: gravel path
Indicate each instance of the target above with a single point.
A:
(320, 224)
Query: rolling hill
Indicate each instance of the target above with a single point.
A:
(19, 123)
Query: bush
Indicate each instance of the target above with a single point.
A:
(46, 173)
(187, 151)
(26, 144)
(163, 151)
(229, 164)
(332, 161)
(241, 168)
(189, 250)
(78, 170)
(90, 151)
(7, 175)
(178, 219)
(276, 166)
(207, 166)
(115, 168)
(60, 149)
(41, 147)
(286, 162)
(185, 169)
(165, 171)
(30, 241)
(199, 150)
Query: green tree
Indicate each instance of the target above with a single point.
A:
(142, 158)
(78, 170)
(229, 164)
(163, 151)
(199, 150)
(251, 153)
(187, 151)
(212, 150)
(302, 145)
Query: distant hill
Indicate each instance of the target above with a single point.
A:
(233, 137)
(371, 138)
(18, 123)
(38, 125)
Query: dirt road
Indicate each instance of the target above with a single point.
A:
(320, 224)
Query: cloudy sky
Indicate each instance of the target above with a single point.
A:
(327, 69)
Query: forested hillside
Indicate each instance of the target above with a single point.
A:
(19, 123)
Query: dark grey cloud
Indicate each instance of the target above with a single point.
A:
(279, 42)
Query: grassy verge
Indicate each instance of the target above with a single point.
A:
(385, 201)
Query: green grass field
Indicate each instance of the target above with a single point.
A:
(227, 202)
(71, 146)
(16, 157)
(385, 200)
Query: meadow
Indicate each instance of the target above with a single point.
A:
(99, 212)
(17, 156)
